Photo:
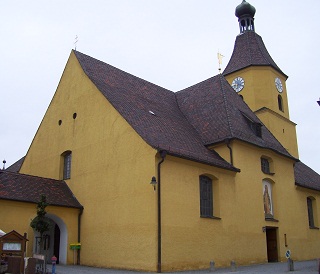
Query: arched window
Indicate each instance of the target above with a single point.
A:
(267, 199)
(66, 161)
(280, 103)
(206, 197)
(311, 211)
(209, 197)
(267, 165)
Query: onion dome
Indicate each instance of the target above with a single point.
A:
(245, 9)
(245, 13)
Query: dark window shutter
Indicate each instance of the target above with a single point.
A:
(310, 212)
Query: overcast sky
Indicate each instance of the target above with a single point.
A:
(172, 43)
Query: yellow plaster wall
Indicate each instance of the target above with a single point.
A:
(18, 215)
(284, 130)
(191, 242)
(260, 92)
(290, 205)
(110, 175)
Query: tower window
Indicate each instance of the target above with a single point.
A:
(280, 103)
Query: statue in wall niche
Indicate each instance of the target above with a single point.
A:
(267, 202)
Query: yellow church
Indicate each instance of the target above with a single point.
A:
(153, 180)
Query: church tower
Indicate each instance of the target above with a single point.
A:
(254, 75)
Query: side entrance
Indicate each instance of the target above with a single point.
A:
(272, 244)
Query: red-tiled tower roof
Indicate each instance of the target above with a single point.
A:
(249, 50)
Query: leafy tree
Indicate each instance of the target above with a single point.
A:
(40, 223)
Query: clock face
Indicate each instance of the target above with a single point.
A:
(238, 84)
(278, 84)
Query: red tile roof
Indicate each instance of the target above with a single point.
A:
(15, 167)
(152, 111)
(184, 124)
(218, 113)
(306, 177)
(249, 50)
(26, 188)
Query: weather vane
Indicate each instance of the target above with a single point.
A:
(220, 56)
(75, 42)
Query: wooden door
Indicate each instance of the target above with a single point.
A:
(272, 245)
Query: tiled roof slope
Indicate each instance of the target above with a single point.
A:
(27, 188)
(16, 166)
(249, 50)
(306, 177)
(218, 113)
(152, 111)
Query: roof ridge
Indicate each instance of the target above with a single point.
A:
(225, 105)
(116, 68)
(256, 37)
(250, 49)
(177, 102)
(196, 131)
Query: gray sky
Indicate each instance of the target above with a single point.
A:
(171, 43)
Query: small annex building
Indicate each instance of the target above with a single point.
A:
(221, 155)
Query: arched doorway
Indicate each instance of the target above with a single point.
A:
(56, 244)
(56, 240)
(59, 231)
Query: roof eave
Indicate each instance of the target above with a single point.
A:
(239, 139)
(256, 65)
(307, 187)
(32, 202)
(231, 168)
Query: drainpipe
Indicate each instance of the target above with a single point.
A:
(79, 237)
(163, 154)
(230, 149)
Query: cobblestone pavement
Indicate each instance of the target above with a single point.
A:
(305, 267)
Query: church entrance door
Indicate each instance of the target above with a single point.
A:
(272, 245)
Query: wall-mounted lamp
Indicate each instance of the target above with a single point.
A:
(264, 229)
(318, 102)
(153, 182)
